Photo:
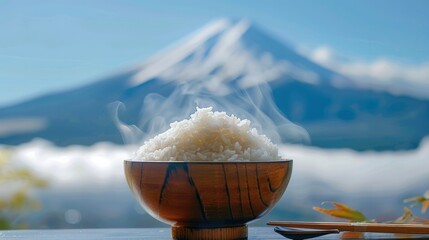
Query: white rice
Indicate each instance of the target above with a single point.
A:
(209, 136)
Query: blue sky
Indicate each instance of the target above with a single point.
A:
(53, 45)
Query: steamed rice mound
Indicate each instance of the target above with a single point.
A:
(209, 136)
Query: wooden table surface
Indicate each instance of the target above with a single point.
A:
(143, 233)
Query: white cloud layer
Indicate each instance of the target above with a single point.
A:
(74, 166)
(343, 171)
(362, 173)
(380, 73)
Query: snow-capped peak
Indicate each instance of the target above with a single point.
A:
(226, 51)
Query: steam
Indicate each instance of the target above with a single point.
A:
(212, 68)
(254, 103)
(131, 134)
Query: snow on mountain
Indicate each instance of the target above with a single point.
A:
(227, 50)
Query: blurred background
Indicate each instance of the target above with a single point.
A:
(353, 74)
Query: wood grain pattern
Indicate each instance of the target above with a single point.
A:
(208, 194)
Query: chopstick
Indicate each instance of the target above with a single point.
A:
(358, 227)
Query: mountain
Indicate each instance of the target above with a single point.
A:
(223, 62)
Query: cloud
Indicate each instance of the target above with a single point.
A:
(74, 166)
(345, 170)
(11, 126)
(351, 172)
(381, 73)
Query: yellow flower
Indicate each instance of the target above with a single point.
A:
(424, 200)
(343, 211)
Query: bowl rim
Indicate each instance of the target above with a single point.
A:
(283, 160)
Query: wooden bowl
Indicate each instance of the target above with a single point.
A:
(208, 200)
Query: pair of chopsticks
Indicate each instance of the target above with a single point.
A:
(358, 227)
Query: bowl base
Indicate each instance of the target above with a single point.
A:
(224, 233)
